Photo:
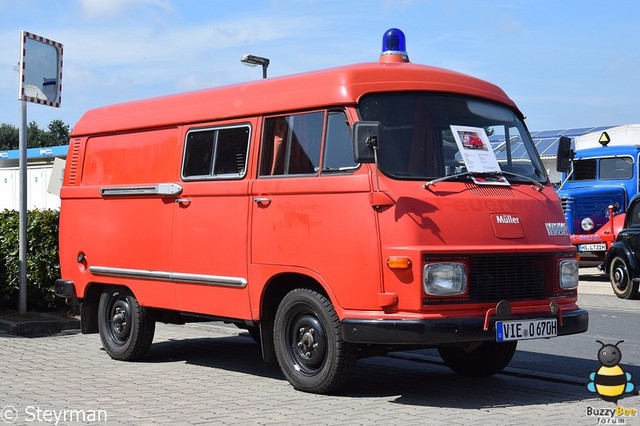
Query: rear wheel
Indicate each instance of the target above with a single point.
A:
(621, 281)
(126, 328)
(480, 359)
(309, 345)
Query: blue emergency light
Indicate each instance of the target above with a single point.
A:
(394, 46)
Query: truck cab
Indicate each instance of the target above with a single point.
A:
(596, 190)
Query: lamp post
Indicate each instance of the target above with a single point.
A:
(252, 61)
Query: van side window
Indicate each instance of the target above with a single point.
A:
(338, 151)
(291, 144)
(216, 153)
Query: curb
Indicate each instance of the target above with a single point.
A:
(39, 328)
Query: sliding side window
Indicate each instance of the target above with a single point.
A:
(338, 150)
(292, 144)
(216, 153)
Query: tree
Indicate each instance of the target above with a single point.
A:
(57, 133)
(8, 137)
(34, 135)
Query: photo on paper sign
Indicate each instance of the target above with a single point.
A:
(471, 140)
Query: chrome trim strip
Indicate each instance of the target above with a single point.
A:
(176, 277)
(159, 189)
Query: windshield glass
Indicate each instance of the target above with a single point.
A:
(614, 168)
(418, 141)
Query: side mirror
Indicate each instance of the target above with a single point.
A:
(565, 155)
(366, 139)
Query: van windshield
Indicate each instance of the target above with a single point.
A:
(418, 142)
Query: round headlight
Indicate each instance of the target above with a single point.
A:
(587, 224)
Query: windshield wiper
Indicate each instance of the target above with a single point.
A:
(539, 186)
(442, 179)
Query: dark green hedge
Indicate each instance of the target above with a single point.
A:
(43, 266)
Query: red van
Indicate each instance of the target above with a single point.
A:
(329, 213)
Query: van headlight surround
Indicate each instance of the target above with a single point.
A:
(445, 278)
(568, 274)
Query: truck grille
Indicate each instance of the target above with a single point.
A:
(509, 277)
(592, 206)
(596, 207)
(566, 203)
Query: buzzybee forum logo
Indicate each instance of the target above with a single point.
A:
(610, 382)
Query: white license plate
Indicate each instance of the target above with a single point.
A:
(592, 247)
(526, 329)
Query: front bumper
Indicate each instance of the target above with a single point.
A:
(440, 331)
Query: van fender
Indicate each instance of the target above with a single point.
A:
(263, 278)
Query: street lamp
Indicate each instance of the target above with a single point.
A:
(252, 61)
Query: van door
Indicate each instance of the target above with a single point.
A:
(311, 210)
(210, 232)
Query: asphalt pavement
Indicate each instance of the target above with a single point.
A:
(209, 374)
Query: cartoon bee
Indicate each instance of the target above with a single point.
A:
(610, 381)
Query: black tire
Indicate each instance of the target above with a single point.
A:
(621, 281)
(309, 345)
(481, 359)
(126, 328)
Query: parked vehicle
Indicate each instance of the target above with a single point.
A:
(332, 214)
(622, 262)
(596, 191)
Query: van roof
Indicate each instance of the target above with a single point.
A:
(331, 87)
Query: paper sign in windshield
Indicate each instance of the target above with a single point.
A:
(476, 150)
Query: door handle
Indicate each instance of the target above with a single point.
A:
(262, 201)
(184, 202)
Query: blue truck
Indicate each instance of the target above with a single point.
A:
(601, 179)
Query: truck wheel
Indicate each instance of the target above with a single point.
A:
(621, 281)
(309, 345)
(126, 328)
(481, 359)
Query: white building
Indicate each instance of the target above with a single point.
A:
(39, 171)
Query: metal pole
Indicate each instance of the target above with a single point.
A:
(22, 234)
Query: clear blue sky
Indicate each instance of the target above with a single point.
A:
(567, 64)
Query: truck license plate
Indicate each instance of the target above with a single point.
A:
(526, 329)
(592, 247)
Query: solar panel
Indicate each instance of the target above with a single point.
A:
(546, 141)
(547, 133)
(546, 145)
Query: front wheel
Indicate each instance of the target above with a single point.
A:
(481, 359)
(126, 328)
(309, 345)
(621, 281)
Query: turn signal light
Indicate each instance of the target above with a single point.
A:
(399, 262)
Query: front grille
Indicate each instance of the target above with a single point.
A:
(510, 277)
(595, 205)
(566, 203)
